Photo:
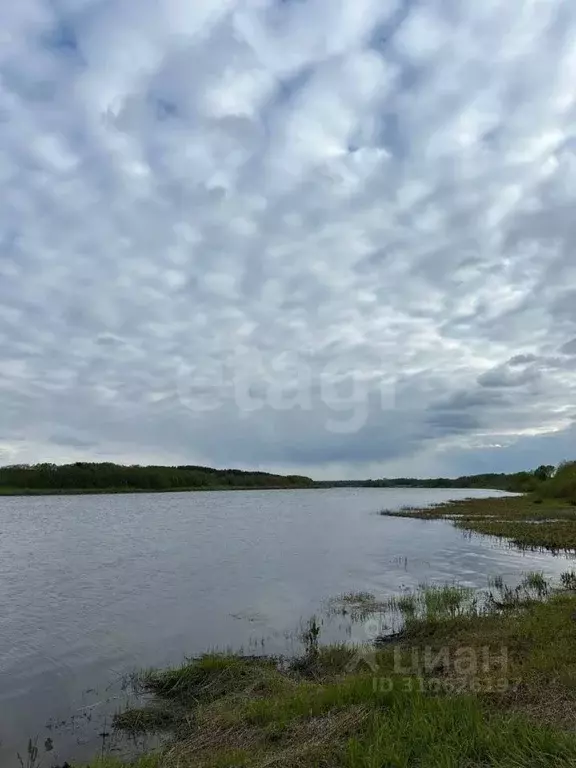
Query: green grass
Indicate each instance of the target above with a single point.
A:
(539, 636)
(454, 732)
(144, 761)
(432, 603)
(323, 709)
(209, 676)
(527, 521)
(352, 722)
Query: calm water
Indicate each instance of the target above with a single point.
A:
(94, 586)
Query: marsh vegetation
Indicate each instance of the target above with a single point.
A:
(354, 706)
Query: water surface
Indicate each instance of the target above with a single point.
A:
(94, 586)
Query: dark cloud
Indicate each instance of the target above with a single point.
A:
(453, 422)
(519, 360)
(472, 399)
(509, 376)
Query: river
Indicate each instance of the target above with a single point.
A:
(92, 587)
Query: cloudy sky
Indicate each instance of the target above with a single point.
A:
(330, 236)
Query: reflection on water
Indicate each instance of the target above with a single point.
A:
(92, 587)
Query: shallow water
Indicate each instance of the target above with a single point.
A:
(92, 587)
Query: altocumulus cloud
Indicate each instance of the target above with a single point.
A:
(327, 235)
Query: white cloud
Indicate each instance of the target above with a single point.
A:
(194, 194)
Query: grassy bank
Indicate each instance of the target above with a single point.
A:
(468, 681)
(528, 521)
(545, 518)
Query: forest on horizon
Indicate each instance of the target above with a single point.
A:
(102, 476)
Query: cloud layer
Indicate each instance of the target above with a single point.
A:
(335, 235)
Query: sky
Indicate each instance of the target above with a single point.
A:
(326, 236)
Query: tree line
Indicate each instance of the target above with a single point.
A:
(87, 476)
(517, 482)
(546, 480)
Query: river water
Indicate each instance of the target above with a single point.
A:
(92, 587)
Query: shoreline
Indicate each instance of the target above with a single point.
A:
(85, 477)
(114, 491)
(467, 681)
(458, 680)
(526, 521)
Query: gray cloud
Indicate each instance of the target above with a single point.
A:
(509, 375)
(569, 348)
(350, 215)
(71, 440)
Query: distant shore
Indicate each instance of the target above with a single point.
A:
(83, 477)
(315, 487)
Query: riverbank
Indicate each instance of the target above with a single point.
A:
(457, 679)
(528, 521)
(463, 684)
